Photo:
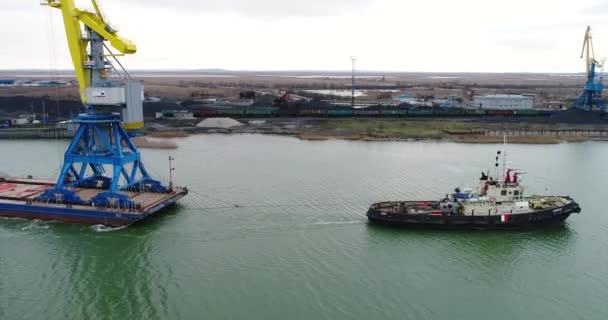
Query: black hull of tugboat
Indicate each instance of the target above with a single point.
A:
(536, 219)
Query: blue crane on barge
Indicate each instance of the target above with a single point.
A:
(591, 98)
(101, 141)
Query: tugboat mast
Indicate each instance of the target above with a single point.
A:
(504, 159)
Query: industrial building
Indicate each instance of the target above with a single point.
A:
(503, 101)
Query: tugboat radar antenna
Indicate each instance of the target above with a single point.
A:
(504, 158)
(496, 165)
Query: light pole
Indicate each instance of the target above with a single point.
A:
(171, 169)
(353, 84)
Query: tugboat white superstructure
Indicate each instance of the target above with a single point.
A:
(499, 203)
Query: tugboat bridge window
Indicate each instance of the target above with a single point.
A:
(503, 193)
(516, 192)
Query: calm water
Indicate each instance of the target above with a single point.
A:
(303, 248)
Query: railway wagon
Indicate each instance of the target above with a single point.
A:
(366, 113)
(394, 112)
(266, 111)
(448, 112)
(473, 112)
(204, 113)
(340, 112)
(499, 113)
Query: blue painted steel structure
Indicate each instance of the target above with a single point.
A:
(101, 143)
(591, 98)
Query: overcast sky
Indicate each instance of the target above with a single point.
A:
(385, 35)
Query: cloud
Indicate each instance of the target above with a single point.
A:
(18, 6)
(599, 8)
(468, 35)
(261, 8)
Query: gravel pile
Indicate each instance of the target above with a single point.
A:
(223, 123)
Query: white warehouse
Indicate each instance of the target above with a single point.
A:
(503, 101)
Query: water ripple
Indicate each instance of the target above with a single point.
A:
(303, 247)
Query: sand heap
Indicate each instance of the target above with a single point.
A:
(223, 123)
(144, 142)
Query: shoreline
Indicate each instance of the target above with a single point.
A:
(470, 139)
(440, 130)
(487, 131)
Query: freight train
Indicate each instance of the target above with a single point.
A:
(258, 112)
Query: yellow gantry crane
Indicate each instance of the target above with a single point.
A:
(87, 32)
(588, 52)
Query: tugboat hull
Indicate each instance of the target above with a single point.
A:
(535, 219)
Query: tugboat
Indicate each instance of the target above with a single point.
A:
(499, 203)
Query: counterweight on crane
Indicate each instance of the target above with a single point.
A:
(591, 98)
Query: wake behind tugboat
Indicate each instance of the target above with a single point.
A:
(498, 204)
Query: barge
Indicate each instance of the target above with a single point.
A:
(497, 204)
(21, 198)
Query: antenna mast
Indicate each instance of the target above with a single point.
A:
(353, 87)
(171, 169)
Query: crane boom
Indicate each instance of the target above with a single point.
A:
(588, 52)
(78, 44)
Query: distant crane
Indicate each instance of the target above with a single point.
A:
(591, 98)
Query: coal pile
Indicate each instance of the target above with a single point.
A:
(14, 106)
(579, 116)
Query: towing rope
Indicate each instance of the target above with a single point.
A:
(233, 205)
